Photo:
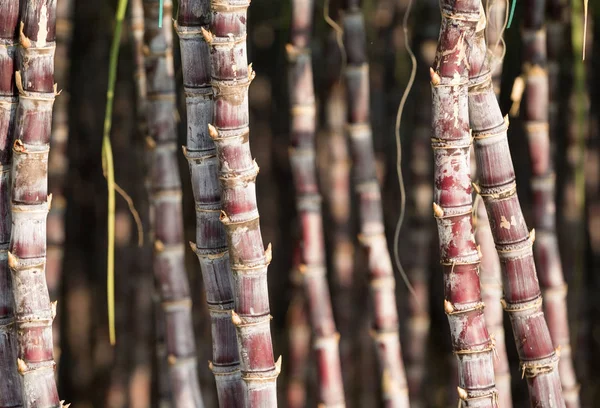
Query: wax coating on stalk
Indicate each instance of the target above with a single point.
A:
(459, 255)
(211, 240)
(308, 203)
(522, 296)
(372, 232)
(31, 202)
(231, 77)
(166, 209)
(10, 386)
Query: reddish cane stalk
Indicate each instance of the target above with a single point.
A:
(372, 233)
(522, 296)
(231, 77)
(308, 203)
(166, 210)
(211, 242)
(543, 185)
(10, 388)
(453, 205)
(490, 275)
(31, 201)
(58, 161)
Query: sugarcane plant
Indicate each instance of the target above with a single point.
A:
(165, 206)
(231, 77)
(211, 243)
(372, 231)
(543, 186)
(497, 186)
(30, 202)
(10, 387)
(452, 206)
(308, 203)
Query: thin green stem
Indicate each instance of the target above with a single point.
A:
(108, 167)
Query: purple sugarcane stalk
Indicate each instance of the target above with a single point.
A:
(165, 206)
(211, 240)
(451, 142)
(30, 203)
(522, 296)
(231, 77)
(10, 387)
(543, 185)
(372, 232)
(308, 202)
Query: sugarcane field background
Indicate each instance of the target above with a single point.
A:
(299, 203)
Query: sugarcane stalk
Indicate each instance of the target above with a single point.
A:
(490, 270)
(308, 203)
(166, 209)
(490, 275)
(543, 185)
(10, 387)
(522, 295)
(452, 205)
(231, 77)
(419, 197)
(211, 242)
(372, 232)
(30, 203)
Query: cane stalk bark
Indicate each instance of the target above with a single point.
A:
(308, 203)
(10, 387)
(231, 77)
(372, 232)
(496, 22)
(30, 203)
(211, 241)
(497, 185)
(166, 209)
(543, 185)
(452, 205)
